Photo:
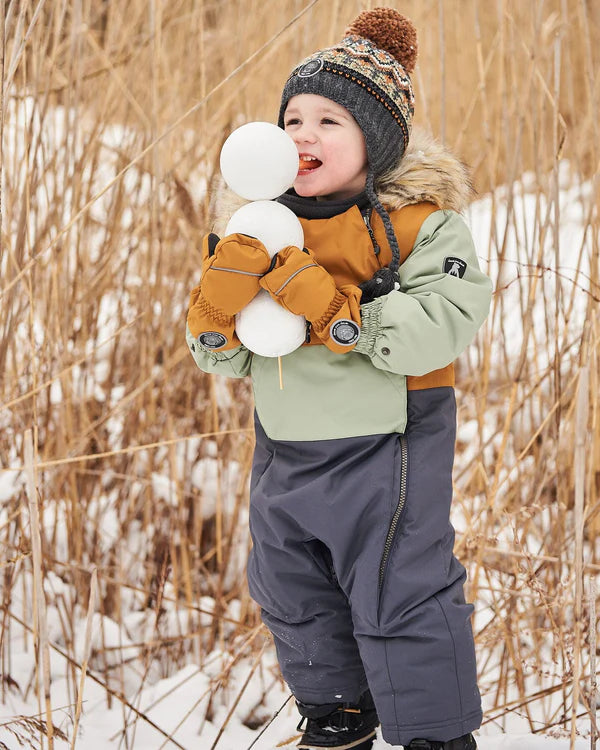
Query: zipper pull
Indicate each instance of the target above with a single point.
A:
(376, 247)
(307, 335)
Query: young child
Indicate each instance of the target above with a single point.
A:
(352, 560)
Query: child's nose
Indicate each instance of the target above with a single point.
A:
(305, 134)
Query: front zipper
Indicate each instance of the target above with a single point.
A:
(389, 541)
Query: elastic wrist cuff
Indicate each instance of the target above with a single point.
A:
(370, 326)
(205, 308)
(334, 307)
(211, 328)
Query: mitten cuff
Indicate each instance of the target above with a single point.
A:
(336, 304)
(342, 321)
(212, 328)
(207, 310)
(370, 327)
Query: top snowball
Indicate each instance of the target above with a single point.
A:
(259, 161)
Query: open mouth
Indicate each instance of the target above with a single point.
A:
(308, 164)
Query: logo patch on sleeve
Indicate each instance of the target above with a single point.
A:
(455, 267)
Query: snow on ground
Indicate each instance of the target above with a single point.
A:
(177, 705)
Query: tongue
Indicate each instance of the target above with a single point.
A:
(309, 164)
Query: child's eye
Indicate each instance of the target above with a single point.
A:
(292, 121)
(328, 121)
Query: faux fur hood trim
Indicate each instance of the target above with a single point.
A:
(225, 204)
(428, 171)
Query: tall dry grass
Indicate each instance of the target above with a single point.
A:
(113, 114)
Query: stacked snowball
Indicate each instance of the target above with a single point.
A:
(259, 162)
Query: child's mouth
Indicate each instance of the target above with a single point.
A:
(308, 164)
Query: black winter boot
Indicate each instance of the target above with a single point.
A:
(466, 742)
(342, 726)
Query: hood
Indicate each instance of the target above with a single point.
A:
(224, 204)
(428, 171)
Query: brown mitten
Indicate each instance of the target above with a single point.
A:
(304, 287)
(231, 271)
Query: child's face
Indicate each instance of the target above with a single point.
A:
(325, 130)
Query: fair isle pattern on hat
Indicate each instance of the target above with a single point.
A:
(365, 64)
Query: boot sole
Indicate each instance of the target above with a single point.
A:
(347, 746)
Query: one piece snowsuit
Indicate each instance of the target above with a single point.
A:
(352, 560)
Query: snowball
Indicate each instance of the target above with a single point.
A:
(259, 161)
(267, 328)
(273, 224)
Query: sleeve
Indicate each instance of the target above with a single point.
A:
(234, 363)
(443, 300)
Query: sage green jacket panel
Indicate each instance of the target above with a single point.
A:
(435, 315)
(234, 363)
(326, 396)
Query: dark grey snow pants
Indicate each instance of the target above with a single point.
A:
(352, 565)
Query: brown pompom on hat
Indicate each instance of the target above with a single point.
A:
(391, 31)
(368, 74)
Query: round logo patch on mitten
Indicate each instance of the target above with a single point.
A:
(345, 332)
(212, 340)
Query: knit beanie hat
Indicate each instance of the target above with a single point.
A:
(368, 74)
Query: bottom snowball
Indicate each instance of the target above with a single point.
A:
(268, 329)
